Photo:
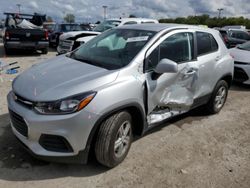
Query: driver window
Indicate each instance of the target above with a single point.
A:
(178, 47)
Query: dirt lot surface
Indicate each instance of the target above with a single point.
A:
(193, 150)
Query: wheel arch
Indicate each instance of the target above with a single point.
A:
(228, 78)
(138, 126)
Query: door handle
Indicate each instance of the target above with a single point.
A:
(189, 72)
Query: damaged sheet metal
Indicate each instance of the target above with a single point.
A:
(177, 98)
(158, 116)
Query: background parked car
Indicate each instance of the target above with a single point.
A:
(239, 27)
(1, 30)
(60, 29)
(86, 27)
(241, 54)
(25, 31)
(49, 26)
(73, 40)
(232, 37)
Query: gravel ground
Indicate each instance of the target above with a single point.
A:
(193, 150)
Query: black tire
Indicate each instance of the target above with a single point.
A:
(45, 51)
(7, 51)
(212, 106)
(57, 41)
(109, 134)
(51, 45)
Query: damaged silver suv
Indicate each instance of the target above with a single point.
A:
(118, 85)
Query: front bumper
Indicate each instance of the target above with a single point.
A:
(65, 46)
(74, 128)
(26, 45)
(242, 73)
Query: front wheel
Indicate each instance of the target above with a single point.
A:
(44, 50)
(218, 98)
(114, 139)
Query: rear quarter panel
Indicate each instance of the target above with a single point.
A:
(225, 65)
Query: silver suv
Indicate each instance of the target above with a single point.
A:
(118, 85)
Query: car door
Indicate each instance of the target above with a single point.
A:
(209, 61)
(171, 94)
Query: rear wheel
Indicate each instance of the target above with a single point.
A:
(114, 139)
(218, 98)
(7, 51)
(45, 51)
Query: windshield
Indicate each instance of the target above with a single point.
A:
(245, 46)
(108, 24)
(113, 49)
(71, 27)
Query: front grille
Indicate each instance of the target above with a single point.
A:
(240, 75)
(19, 123)
(55, 143)
(66, 44)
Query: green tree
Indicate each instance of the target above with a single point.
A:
(209, 21)
(69, 18)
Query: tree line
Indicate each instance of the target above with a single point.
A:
(209, 21)
(194, 20)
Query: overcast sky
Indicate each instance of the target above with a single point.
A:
(91, 10)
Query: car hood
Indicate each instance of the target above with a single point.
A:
(85, 39)
(75, 33)
(60, 77)
(240, 55)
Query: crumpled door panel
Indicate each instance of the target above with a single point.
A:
(176, 98)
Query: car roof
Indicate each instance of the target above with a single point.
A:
(132, 19)
(160, 26)
(232, 29)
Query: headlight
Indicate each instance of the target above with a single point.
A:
(65, 106)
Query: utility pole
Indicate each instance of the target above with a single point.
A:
(220, 10)
(104, 11)
(19, 8)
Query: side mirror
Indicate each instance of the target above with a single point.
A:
(166, 66)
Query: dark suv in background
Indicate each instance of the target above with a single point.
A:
(234, 37)
(60, 29)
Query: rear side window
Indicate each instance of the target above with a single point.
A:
(205, 43)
